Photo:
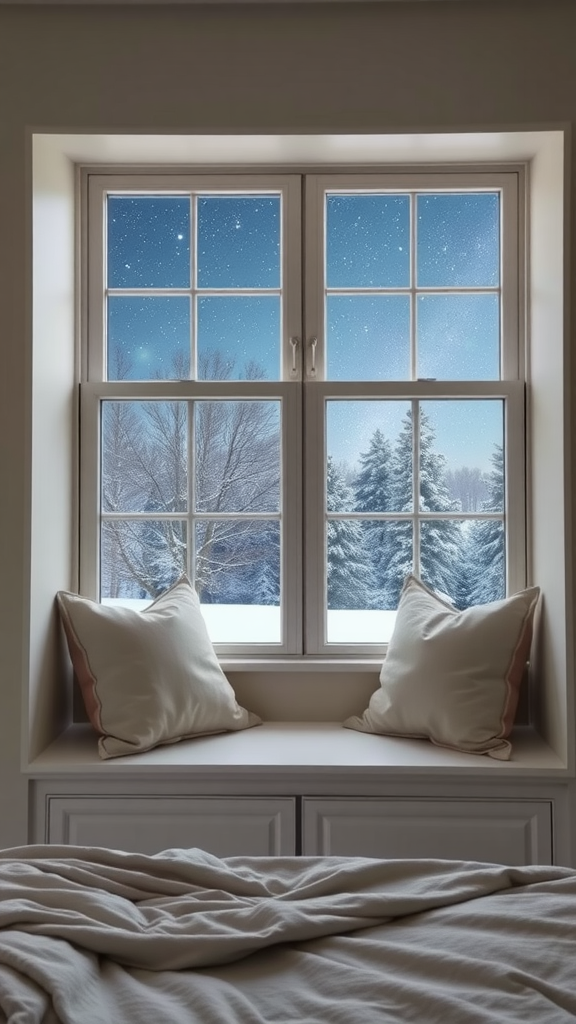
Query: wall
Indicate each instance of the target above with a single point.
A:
(379, 67)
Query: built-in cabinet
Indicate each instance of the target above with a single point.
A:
(226, 827)
(519, 831)
(502, 831)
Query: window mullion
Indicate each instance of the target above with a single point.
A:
(413, 310)
(193, 286)
(416, 485)
(190, 518)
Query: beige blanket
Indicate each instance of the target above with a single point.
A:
(92, 936)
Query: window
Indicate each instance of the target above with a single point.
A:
(298, 389)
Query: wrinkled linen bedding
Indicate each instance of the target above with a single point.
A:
(94, 936)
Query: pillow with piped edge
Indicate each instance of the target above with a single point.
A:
(149, 677)
(452, 676)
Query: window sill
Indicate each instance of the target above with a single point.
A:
(235, 663)
(292, 751)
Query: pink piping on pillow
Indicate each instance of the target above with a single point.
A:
(84, 675)
(515, 673)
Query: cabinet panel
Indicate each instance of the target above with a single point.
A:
(499, 831)
(225, 827)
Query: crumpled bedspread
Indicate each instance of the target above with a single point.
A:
(94, 936)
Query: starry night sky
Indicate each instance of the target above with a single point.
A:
(238, 247)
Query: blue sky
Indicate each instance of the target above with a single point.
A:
(466, 430)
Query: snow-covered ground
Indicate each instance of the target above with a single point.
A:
(260, 624)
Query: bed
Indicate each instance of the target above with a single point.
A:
(97, 936)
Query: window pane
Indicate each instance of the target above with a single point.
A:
(464, 560)
(237, 447)
(140, 558)
(368, 337)
(239, 241)
(461, 455)
(239, 337)
(148, 242)
(237, 576)
(458, 337)
(367, 241)
(144, 457)
(148, 338)
(369, 449)
(366, 563)
(458, 240)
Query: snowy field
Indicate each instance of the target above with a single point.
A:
(260, 624)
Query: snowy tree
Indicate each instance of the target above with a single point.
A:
(145, 471)
(374, 482)
(349, 576)
(237, 471)
(400, 545)
(265, 579)
(487, 581)
(244, 562)
(439, 538)
(374, 489)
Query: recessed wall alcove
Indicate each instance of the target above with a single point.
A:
(290, 691)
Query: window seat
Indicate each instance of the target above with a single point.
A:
(293, 749)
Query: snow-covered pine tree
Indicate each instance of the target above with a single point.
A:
(263, 580)
(401, 558)
(374, 489)
(487, 564)
(440, 540)
(349, 574)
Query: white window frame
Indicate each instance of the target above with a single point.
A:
(303, 391)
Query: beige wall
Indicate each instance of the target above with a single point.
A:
(360, 67)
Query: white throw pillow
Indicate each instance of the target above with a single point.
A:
(149, 677)
(453, 676)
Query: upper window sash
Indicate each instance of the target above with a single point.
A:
(98, 187)
(509, 186)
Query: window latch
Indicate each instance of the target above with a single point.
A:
(294, 343)
(313, 344)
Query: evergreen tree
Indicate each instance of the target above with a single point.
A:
(440, 540)
(349, 575)
(263, 580)
(374, 489)
(488, 569)
(374, 483)
(401, 557)
(466, 565)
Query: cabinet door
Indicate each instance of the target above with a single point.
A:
(224, 826)
(498, 831)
